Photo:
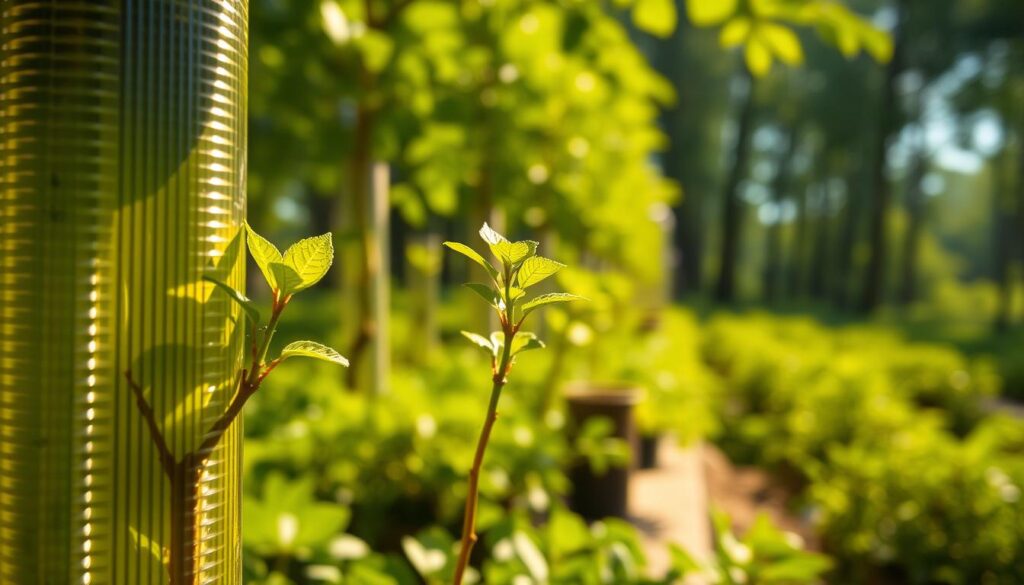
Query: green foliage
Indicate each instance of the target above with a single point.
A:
(287, 521)
(307, 262)
(265, 254)
(927, 508)
(302, 265)
(764, 29)
(519, 263)
(872, 425)
(795, 389)
(765, 555)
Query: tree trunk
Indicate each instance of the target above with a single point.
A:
(916, 209)
(873, 291)
(798, 257)
(732, 212)
(850, 221)
(679, 61)
(773, 272)
(358, 267)
(1003, 212)
(820, 269)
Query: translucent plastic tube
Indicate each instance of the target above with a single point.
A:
(122, 183)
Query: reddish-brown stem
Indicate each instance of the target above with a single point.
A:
(182, 557)
(469, 536)
(185, 476)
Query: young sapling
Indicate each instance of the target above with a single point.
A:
(519, 267)
(300, 267)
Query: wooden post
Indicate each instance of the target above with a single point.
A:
(379, 222)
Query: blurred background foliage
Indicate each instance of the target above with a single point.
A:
(801, 227)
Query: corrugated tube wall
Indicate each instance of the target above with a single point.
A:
(122, 182)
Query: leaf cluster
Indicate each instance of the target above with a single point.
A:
(518, 268)
(766, 29)
(301, 266)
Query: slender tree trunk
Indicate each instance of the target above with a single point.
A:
(359, 278)
(916, 210)
(820, 270)
(732, 213)
(850, 223)
(798, 257)
(1002, 240)
(773, 272)
(677, 61)
(873, 291)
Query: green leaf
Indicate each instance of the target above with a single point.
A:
(481, 341)
(758, 57)
(490, 236)
(486, 293)
(710, 12)
(474, 256)
(512, 253)
(657, 17)
(549, 299)
(783, 42)
(536, 269)
(735, 32)
(308, 260)
(525, 341)
(247, 305)
(313, 350)
(264, 253)
(515, 292)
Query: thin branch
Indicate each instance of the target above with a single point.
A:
(167, 461)
(215, 433)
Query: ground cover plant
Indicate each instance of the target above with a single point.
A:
(301, 266)
(884, 443)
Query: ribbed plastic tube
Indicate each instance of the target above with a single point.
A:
(122, 183)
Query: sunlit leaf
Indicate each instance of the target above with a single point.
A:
(549, 299)
(735, 32)
(486, 293)
(710, 12)
(531, 557)
(657, 17)
(474, 256)
(264, 253)
(480, 340)
(312, 349)
(490, 236)
(758, 57)
(511, 253)
(783, 42)
(525, 341)
(536, 269)
(308, 260)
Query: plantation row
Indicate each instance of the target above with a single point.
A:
(882, 443)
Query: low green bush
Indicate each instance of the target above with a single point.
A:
(793, 388)
(926, 508)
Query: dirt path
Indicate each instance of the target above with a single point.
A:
(673, 503)
(670, 504)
